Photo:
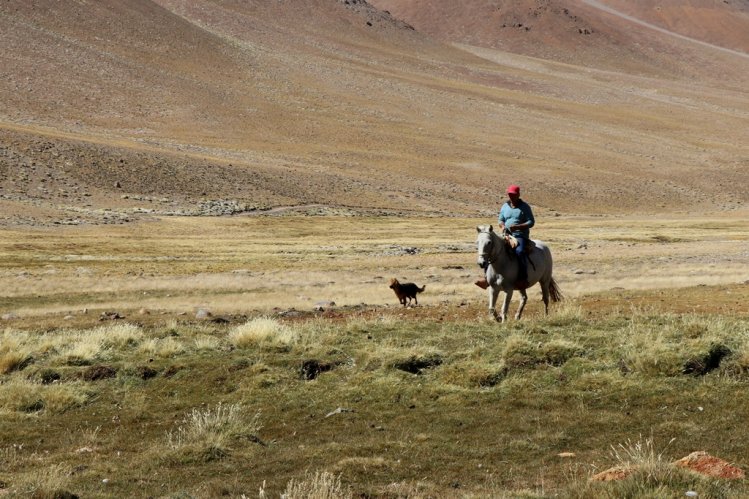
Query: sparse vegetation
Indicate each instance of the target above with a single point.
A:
(198, 222)
(387, 392)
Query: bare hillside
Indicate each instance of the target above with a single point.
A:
(655, 38)
(115, 110)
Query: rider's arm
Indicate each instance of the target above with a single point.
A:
(501, 218)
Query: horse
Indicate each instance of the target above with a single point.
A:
(498, 260)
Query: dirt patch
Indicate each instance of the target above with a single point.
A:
(703, 463)
(96, 373)
(613, 474)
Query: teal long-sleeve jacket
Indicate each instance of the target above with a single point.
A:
(521, 214)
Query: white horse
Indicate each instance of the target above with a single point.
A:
(501, 267)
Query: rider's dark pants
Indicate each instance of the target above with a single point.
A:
(522, 258)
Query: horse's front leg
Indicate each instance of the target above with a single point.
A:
(493, 294)
(523, 299)
(505, 305)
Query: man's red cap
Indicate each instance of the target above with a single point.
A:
(513, 189)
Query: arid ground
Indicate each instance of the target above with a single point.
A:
(179, 169)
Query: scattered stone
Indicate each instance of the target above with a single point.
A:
(289, 313)
(203, 313)
(322, 305)
(84, 450)
(703, 463)
(340, 410)
(9, 316)
(110, 316)
(144, 311)
(567, 454)
(68, 318)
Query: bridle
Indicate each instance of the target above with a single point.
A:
(487, 256)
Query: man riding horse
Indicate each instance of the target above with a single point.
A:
(516, 218)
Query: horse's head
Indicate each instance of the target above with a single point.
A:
(485, 244)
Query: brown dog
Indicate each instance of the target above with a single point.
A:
(406, 290)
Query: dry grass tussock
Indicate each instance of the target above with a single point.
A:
(21, 395)
(263, 330)
(641, 454)
(209, 433)
(162, 347)
(50, 482)
(663, 345)
(318, 485)
(71, 346)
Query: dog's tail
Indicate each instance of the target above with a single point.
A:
(421, 290)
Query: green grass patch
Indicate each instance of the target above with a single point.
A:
(380, 406)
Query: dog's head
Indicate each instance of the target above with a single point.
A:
(394, 284)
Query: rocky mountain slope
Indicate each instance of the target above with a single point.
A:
(114, 110)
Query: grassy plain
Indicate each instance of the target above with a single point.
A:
(430, 401)
(241, 265)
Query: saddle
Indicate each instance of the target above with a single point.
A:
(529, 247)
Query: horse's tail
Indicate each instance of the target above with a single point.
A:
(554, 291)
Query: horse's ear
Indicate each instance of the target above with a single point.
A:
(478, 229)
(491, 228)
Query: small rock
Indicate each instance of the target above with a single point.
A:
(203, 313)
(339, 410)
(322, 305)
(110, 316)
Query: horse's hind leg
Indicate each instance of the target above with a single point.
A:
(545, 295)
(523, 300)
